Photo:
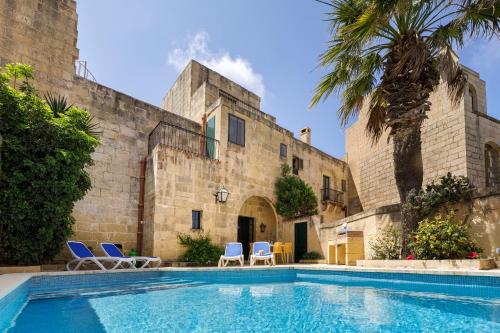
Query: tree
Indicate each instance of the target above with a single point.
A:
(44, 153)
(295, 197)
(393, 54)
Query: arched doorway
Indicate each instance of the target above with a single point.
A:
(256, 222)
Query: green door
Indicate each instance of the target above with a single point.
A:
(300, 240)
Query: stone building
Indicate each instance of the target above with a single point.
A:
(157, 169)
(210, 133)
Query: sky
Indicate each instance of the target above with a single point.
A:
(270, 47)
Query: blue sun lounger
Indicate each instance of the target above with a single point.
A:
(112, 250)
(83, 256)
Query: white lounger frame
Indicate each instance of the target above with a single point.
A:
(147, 260)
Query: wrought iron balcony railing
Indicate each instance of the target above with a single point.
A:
(179, 138)
(331, 195)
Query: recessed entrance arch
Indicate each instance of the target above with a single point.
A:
(256, 222)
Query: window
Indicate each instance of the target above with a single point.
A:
(473, 98)
(196, 219)
(326, 182)
(297, 164)
(210, 137)
(492, 165)
(236, 130)
(283, 149)
(326, 188)
(343, 185)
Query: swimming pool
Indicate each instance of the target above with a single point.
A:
(262, 300)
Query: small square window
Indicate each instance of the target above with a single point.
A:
(283, 150)
(196, 219)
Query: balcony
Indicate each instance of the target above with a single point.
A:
(182, 139)
(329, 195)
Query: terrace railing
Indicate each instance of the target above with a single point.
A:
(182, 139)
(331, 195)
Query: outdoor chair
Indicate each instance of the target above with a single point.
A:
(262, 252)
(83, 256)
(232, 252)
(112, 250)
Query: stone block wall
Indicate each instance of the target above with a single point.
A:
(41, 33)
(109, 211)
(179, 183)
(453, 139)
(483, 216)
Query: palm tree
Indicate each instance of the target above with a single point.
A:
(396, 53)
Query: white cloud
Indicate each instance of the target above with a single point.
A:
(235, 68)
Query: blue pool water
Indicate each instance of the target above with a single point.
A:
(279, 300)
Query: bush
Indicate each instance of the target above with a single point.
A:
(312, 255)
(295, 197)
(387, 244)
(42, 170)
(441, 238)
(448, 190)
(200, 249)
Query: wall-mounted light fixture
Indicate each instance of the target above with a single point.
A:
(221, 195)
(262, 227)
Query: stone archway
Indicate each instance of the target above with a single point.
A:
(254, 212)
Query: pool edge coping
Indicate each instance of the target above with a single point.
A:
(9, 282)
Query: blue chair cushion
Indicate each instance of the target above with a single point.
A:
(80, 250)
(112, 250)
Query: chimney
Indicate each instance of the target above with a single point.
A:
(305, 135)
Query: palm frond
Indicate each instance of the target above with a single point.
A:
(91, 127)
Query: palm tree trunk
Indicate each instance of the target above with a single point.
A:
(408, 172)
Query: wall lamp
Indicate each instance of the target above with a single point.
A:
(221, 195)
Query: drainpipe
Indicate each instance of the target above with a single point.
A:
(140, 214)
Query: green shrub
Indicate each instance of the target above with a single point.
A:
(312, 255)
(295, 197)
(42, 170)
(441, 238)
(448, 190)
(387, 244)
(199, 249)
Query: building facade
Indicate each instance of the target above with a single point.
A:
(157, 168)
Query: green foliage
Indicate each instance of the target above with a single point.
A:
(42, 171)
(448, 190)
(387, 244)
(441, 238)
(133, 253)
(364, 36)
(58, 104)
(312, 255)
(199, 249)
(295, 197)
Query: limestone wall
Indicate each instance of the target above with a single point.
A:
(182, 183)
(483, 216)
(109, 211)
(485, 223)
(42, 33)
(453, 139)
(371, 222)
(198, 85)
